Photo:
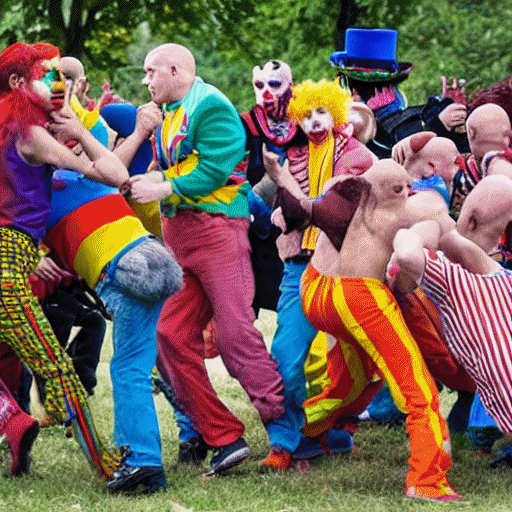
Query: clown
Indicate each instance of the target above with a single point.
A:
(32, 91)
(345, 295)
(368, 66)
(272, 86)
(267, 124)
(322, 110)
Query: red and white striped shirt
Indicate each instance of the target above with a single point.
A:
(477, 317)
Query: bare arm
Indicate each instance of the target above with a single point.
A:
(149, 117)
(408, 246)
(98, 163)
(463, 251)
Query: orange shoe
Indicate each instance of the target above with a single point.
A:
(440, 492)
(278, 459)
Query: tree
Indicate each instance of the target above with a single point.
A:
(103, 30)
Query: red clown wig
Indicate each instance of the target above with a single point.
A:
(499, 93)
(21, 107)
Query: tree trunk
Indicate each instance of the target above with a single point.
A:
(347, 17)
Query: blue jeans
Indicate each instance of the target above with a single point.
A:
(290, 348)
(134, 343)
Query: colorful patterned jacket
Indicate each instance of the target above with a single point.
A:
(198, 146)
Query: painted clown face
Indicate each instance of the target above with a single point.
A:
(272, 86)
(318, 125)
(50, 85)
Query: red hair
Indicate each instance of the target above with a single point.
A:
(499, 93)
(21, 107)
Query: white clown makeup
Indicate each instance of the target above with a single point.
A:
(51, 86)
(318, 125)
(272, 85)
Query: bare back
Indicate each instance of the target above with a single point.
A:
(368, 244)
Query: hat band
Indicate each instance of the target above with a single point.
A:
(385, 65)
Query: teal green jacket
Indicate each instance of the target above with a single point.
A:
(199, 145)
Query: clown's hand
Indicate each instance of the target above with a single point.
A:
(277, 218)
(456, 90)
(453, 115)
(271, 161)
(149, 117)
(145, 189)
(48, 270)
(65, 125)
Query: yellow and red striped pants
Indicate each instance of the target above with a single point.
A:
(362, 313)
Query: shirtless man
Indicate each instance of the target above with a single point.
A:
(489, 129)
(357, 308)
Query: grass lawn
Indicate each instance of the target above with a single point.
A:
(370, 480)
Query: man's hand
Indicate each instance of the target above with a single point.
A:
(149, 117)
(456, 90)
(146, 188)
(65, 125)
(453, 115)
(48, 270)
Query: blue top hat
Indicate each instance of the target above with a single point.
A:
(370, 56)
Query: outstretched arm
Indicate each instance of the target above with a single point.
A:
(149, 117)
(97, 162)
(463, 251)
(408, 254)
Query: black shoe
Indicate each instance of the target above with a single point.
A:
(193, 451)
(229, 456)
(137, 480)
(503, 457)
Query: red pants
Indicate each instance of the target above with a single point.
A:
(363, 312)
(218, 283)
(424, 323)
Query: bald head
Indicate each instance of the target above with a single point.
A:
(389, 180)
(71, 68)
(486, 211)
(489, 129)
(177, 55)
(438, 155)
(170, 72)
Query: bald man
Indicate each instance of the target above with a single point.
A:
(345, 295)
(472, 291)
(73, 70)
(199, 142)
(488, 129)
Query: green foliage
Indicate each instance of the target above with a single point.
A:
(371, 479)
(455, 38)
(229, 37)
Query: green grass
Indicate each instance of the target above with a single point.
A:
(371, 480)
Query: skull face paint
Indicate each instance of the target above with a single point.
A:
(272, 85)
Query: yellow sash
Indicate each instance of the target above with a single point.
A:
(319, 171)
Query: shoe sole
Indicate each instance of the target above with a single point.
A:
(230, 461)
(139, 484)
(25, 446)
